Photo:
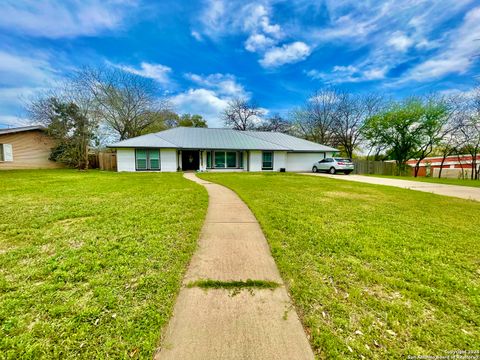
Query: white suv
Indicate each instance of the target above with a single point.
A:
(334, 165)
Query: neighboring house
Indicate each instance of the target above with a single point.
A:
(218, 149)
(26, 147)
(454, 166)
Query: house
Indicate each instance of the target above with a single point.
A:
(207, 149)
(26, 147)
(454, 166)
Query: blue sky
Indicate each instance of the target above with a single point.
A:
(203, 53)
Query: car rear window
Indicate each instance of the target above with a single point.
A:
(344, 160)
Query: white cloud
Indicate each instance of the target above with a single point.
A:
(57, 19)
(24, 69)
(286, 54)
(222, 84)
(211, 97)
(350, 73)
(196, 35)
(201, 101)
(400, 41)
(258, 42)
(455, 58)
(157, 72)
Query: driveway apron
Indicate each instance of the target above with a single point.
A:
(218, 323)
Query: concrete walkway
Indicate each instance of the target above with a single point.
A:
(217, 324)
(463, 192)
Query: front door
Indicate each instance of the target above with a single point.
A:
(190, 160)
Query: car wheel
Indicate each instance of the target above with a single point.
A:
(332, 170)
(314, 169)
(347, 172)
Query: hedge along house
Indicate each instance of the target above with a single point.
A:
(206, 149)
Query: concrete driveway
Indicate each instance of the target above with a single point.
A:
(463, 192)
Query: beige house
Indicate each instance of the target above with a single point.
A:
(26, 147)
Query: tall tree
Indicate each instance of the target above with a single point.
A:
(350, 116)
(314, 121)
(471, 133)
(431, 129)
(127, 103)
(72, 130)
(397, 129)
(241, 114)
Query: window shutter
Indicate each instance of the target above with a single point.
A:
(7, 152)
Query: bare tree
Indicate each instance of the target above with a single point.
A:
(275, 123)
(349, 117)
(127, 103)
(314, 121)
(452, 141)
(241, 114)
(471, 133)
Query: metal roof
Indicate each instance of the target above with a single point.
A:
(221, 139)
(20, 129)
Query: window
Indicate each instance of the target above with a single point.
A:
(240, 159)
(154, 159)
(219, 159)
(6, 152)
(147, 159)
(231, 159)
(267, 160)
(209, 159)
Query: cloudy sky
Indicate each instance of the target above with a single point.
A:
(203, 53)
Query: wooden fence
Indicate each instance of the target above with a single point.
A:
(107, 161)
(375, 167)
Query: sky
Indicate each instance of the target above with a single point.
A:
(201, 54)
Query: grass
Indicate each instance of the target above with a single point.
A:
(460, 182)
(234, 284)
(375, 272)
(90, 262)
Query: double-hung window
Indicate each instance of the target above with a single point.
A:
(267, 160)
(147, 159)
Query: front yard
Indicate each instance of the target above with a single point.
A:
(375, 271)
(90, 263)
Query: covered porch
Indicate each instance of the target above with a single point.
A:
(203, 160)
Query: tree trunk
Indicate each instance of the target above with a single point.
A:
(441, 166)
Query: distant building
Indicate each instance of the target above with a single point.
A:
(26, 147)
(454, 166)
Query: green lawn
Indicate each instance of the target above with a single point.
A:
(461, 182)
(375, 271)
(90, 263)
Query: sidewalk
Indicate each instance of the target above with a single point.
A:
(217, 323)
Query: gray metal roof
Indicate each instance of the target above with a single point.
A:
(20, 129)
(205, 138)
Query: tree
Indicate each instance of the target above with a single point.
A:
(431, 129)
(314, 121)
(72, 130)
(275, 123)
(398, 129)
(241, 114)
(188, 120)
(349, 117)
(471, 133)
(127, 103)
(161, 120)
